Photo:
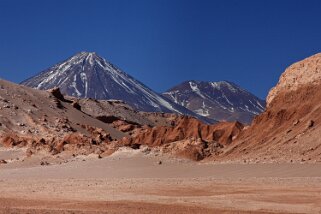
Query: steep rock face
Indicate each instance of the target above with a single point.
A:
(217, 100)
(290, 128)
(87, 75)
(307, 71)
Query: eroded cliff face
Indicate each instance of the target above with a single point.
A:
(305, 72)
(186, 137)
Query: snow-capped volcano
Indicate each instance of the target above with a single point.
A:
(217, 100)
(87, 75)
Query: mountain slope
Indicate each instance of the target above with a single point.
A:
(217, 100)
(87, 75)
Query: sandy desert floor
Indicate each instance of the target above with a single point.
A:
(131, 182)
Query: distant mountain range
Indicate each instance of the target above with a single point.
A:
(87, 75)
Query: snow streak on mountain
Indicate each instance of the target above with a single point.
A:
(87, 75)
(217, 100)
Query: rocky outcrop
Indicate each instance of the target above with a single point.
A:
(305, 72)
(56, 93)
(74, 143)
(185, 128)
(186, 137)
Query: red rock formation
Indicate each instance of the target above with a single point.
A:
(186, 137)
(289, 130)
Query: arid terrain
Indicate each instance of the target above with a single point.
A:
(60, 154)
(131, 181)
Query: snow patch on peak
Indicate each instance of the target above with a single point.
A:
(220, 84)
(86, 53)
(90, 59)
(196, 89)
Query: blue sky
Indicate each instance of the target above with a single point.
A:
(163, 42)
